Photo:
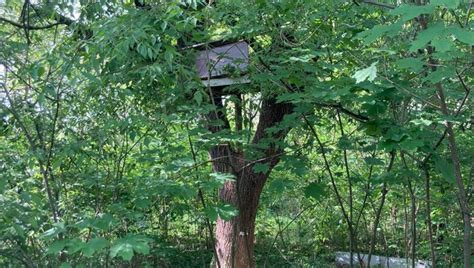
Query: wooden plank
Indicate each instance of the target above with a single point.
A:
(215, 61)
(224, 81)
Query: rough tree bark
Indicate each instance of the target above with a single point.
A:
(235, 238)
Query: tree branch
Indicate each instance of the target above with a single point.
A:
(374, 3)
(29, 27)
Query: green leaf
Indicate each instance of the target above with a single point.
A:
(125, 251)
(94, 245)
(169, 55)
(56, 247)
(221, 210)
(261, 168)
(422, 121)
(408, 12)
(369, 73)
(126, 247)
(369, 36)
(75, 245)
(211, 213)
(439, 75)
(411, 144)
(279, 185)
(451, 4)
(442, 44)
(217, 180)
(445, 168)
(198, 97)
(314, 190)
(306, 57)
(142, 202)
(412, 64)
(374, 161)
(437, 30)
(222, 177)
(164, 25)
(463, 35)
(104, 222)
(56, 229)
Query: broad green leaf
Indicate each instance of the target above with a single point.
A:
(126, 247)
(442, 44)
(463, 35)
(434, 31)
(411, 144)
(142, 202)
(125, 251)
(261, 168)
(422, 121)
(104, 222)
(369, 73)
(369, 36)
(279, 185)
(198, 97)
(94, 245)
(445, 168)
(306, 57)
(315, 190)
(408, 12)
(222, 177)
(56, 229)
(374, 161)
(216, 181)
(221, 210)
(169, 55)
(56, 247)
(75, 245)
(412, 64)
(451, 4)
(439, 75)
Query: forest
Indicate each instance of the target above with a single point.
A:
(236, 133)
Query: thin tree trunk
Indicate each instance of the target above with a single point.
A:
(413, 223)
(405, 227)
(465, 209)
(428, 216)
(379, 211)
(352, 232)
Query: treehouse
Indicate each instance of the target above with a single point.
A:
(222, 64)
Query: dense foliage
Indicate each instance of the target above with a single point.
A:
(105, 130)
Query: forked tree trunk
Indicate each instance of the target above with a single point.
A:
(235, 238)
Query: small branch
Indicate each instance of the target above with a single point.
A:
(458, 111)
(329, 171)
(282, 230)
(29, 27)
(468, 14)
(373, 3)
(463, 83)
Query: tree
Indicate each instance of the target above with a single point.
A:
(353, 133)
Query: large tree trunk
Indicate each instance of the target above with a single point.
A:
(235, 238)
